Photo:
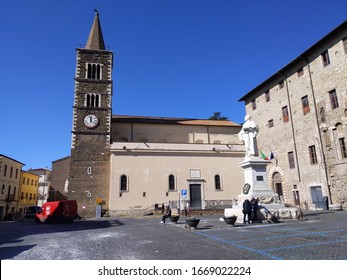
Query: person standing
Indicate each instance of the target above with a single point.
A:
(247, 211)
(254, 205)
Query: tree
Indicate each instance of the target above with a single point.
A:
(217, 116)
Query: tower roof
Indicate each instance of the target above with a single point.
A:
(95, 39)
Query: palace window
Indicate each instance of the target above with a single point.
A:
(344, 40)
(313, 155)
(333, 99)
(92, 100)
(343, 147)
(94, 71)
(267, 96)
(285, 114)
(291, 160)
(123, 183)
(281, 84)
(254, 105)
(171, 183)
(325, 58)
(300, 72)
(305, 105)
(217, 183)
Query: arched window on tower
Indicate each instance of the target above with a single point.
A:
(87, 103)
(97, 103)
(94, 71)
(89, 71)
(92, 100)
(98, 68)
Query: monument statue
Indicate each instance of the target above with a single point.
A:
(66, 186)
(248, 135)
(255, 178)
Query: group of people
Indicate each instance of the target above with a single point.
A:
(250, 210)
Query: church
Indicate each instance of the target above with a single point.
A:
(129, 164)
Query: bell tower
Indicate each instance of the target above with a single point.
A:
(91, 124)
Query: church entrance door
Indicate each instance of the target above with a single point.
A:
(195, 196)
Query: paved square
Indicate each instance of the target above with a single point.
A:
(321, 236)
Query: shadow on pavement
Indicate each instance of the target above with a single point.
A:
(14, 231)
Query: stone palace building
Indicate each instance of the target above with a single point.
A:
(301, 111)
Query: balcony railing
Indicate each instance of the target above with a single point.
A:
(218, 204)
(209, 204)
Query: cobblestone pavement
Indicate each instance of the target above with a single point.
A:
(320, 236)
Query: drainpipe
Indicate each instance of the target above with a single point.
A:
(292, 125)
(317, 122)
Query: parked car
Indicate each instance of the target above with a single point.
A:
(57, 211)
(31, 211)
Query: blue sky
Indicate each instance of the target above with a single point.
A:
(172, 58)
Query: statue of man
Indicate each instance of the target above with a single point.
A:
(66, 186)
(248, 135)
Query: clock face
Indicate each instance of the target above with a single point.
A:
(91, 121)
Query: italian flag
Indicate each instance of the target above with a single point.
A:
(263, 156)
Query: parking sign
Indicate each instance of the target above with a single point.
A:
(184, 193)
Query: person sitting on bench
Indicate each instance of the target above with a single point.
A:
(167, 215)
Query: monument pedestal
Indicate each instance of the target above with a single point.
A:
(255, 178)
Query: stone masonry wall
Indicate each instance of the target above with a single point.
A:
(306, 128)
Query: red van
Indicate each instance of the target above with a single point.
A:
(57, 211)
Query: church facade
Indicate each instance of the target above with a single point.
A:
(129, 164)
